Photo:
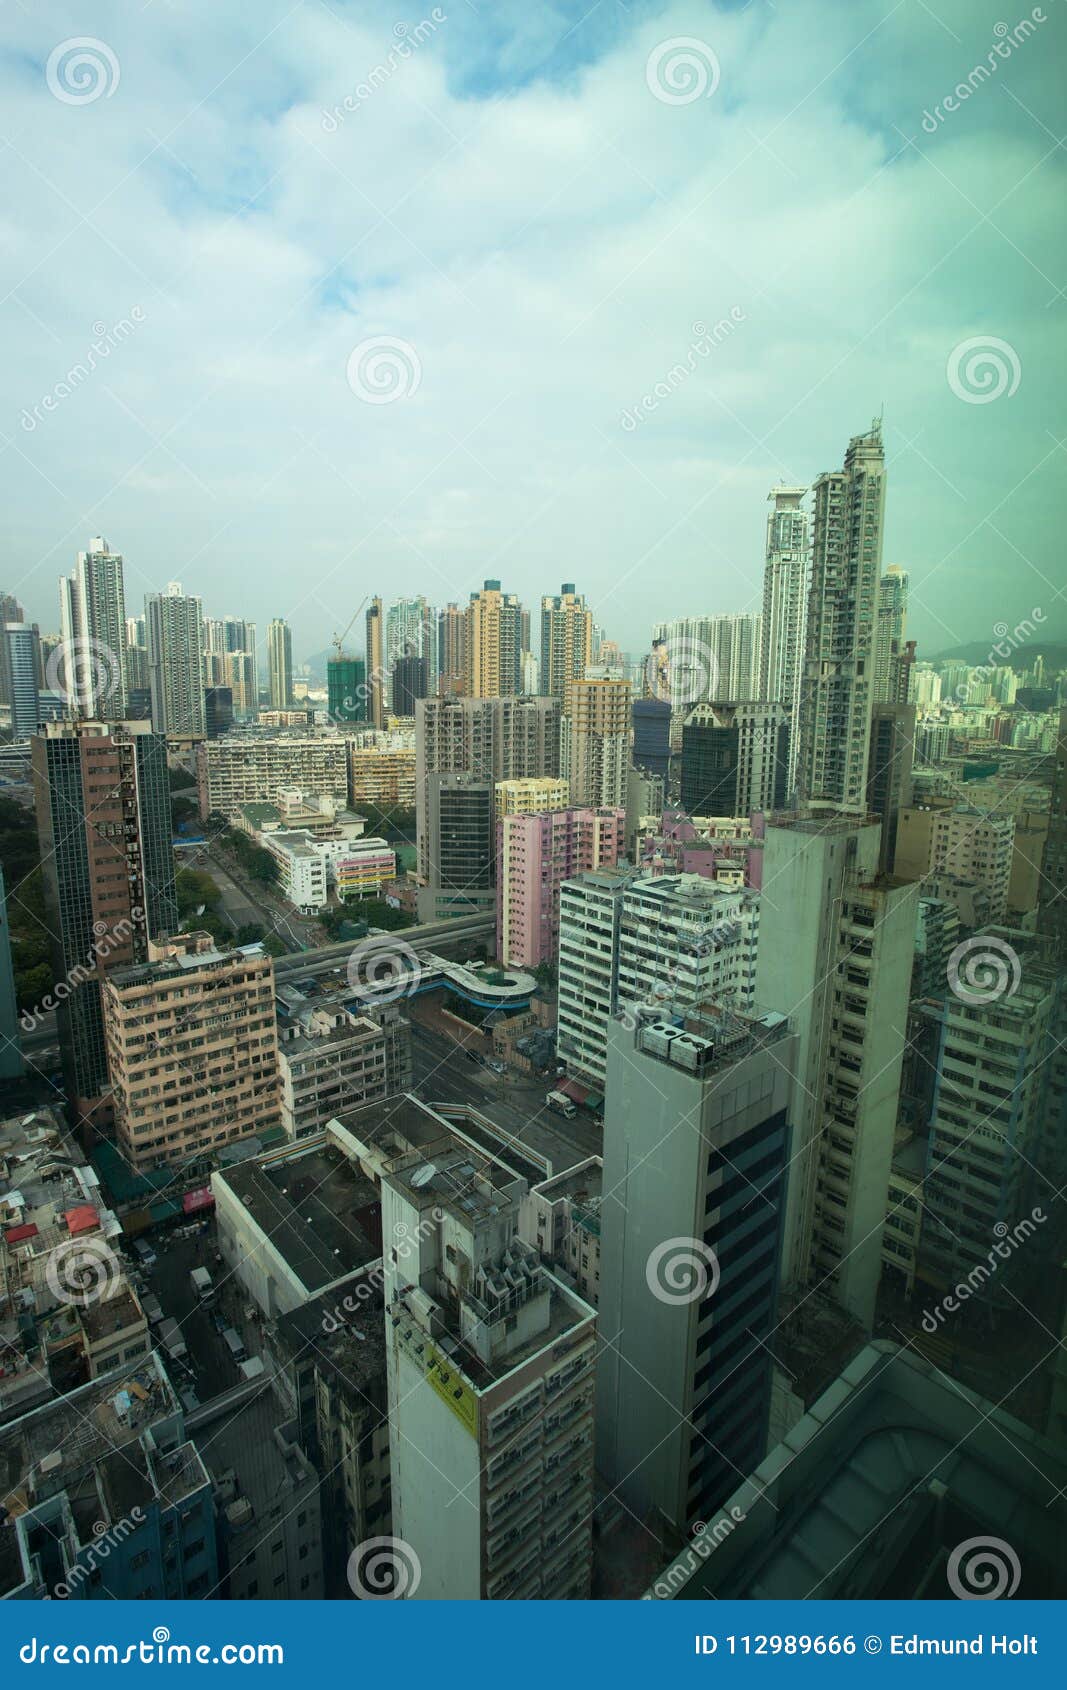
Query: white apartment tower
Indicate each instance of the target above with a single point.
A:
(838, 681)
(566, 640)
(280, 663)
(892, 627)
(490, 1371)
(835, 956)
(92, 612)
(785, 606)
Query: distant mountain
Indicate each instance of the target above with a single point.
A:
(1019, 658)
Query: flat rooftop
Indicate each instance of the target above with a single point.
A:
(319, 1211)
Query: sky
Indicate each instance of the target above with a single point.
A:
(369, 302)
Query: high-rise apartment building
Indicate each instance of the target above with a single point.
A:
(696, 1147)
(218, 711)
(451, 650)
(280, 663)
(595, 742)
(494, 643)
(376, 664)
(566, 640)
(536, 853)
(1052, 904)
(493, 739)
(192, 1050)
(331, 1059)
(785, 606)
(889, 769)
(628, 942)
(490, 1363)
(735, 759)
(174, 626)
(531, 795)
(92, 610)
(346, 689)
(22, 662)
(11, 1063)
(102, 796)
(381, 775)
(835, 955)
(961, 842)
(890, 645)
(410, 632)
(707, 658)
(838, 680)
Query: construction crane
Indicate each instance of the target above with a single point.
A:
(339, 639)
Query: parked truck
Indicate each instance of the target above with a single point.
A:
(561, 1103)
(170, 1336)
(202, 1284)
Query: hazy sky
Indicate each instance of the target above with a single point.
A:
(547, 236)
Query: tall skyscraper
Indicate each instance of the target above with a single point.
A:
(280, 661)
(410, 631)
(696, 1147)
(459, 847)
(595, 742)
(837, 687)
(652, 736)
(12, 1065)
(835, 955)
(376, 664)
(409, 684)
(1052, 904)
(785, 606)
(490, 1366)
(566, 640)
(92, 609)
(451, 650)
(174, 625)
(102, 798)
(735, 759)
(22, 653)
(890, 646)
(494, 643)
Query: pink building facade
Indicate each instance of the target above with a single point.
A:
(535, 855)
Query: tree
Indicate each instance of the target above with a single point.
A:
(193, 887)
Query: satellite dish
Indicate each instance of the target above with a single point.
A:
(422, 1176)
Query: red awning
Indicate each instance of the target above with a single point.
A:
(574, 1090)
(16, 1234)
(201, 1198)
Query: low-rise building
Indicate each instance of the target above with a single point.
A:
(333, 1056)
(560, 1219)
(245, 768)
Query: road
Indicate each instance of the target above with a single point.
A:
(440, 1073)
(242, 909)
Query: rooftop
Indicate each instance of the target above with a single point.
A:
(319, 1211)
